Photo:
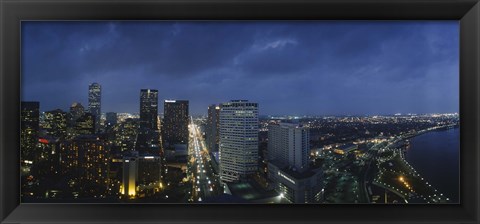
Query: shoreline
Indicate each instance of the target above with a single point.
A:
(413, 160)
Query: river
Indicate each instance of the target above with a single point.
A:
(436, 156)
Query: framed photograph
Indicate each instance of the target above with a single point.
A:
(240, 111)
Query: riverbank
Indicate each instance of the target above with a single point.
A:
(435, 155)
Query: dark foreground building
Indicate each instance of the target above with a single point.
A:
(212, 128)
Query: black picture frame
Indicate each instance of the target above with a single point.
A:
(467, 12)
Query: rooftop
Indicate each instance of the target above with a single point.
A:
(249, 191)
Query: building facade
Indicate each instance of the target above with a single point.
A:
(85, 161)
(95, 103)
(296, 187)
(125, 135)
(85, 125)
(289, 144)
(76, 111)
(142, 175)
(149, 174)
(55, 123)
(288, 164)
(238, 140)
(175, 122)
(29, 129)
(149, 108)
(212, 128)
(129, 177)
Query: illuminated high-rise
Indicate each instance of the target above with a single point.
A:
(126, 134)
(29, 129)
(175, 122)
(95, 103)
(149, 108)
(238, 140)
(55, 123)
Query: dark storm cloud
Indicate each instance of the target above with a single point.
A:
(288, 67)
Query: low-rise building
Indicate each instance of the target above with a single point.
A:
(296, 187)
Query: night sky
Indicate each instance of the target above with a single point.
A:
(289, 68)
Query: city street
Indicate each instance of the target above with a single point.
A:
(204, 182)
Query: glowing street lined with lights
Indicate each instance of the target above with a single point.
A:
(205, 183)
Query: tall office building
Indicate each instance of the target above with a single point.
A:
(238, 140)
(95, 103)
(76, 111)
(55, 123)
(29, 131)
(149, 108)
(289, 144)
(126, 135)
(212, 127)
(288, 164)
(175, 122)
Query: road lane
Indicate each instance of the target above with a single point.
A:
(204, 182)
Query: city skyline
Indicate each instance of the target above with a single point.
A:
(288, 112)
(363, 67)
(304, 161)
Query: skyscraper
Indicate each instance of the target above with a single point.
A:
(55, 123)
(29, 129)
(238, 140)
(94, 103)
(175, 122)
(288, 144)
(213, 120)
(126, 134)
(149, 108)
(76, 111)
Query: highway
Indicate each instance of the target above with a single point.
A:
(204, 182)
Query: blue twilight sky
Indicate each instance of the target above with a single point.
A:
(295, 68)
